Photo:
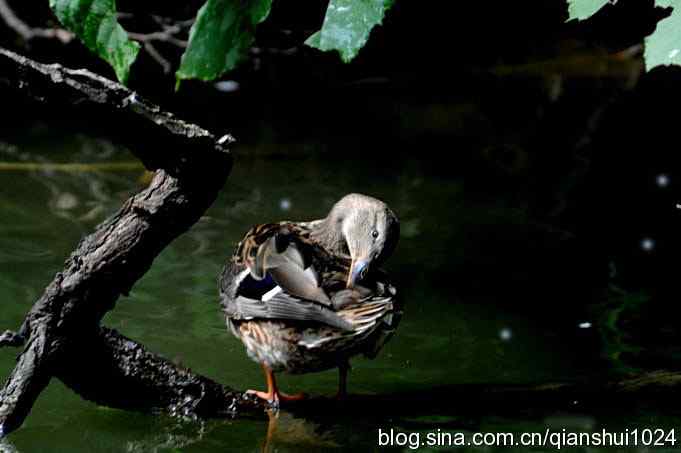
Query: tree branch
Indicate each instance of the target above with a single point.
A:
(155, 136)
(137, 379)
(170, 30)
(168, 35)
(64, 323)
(11, 338)
(28, 33)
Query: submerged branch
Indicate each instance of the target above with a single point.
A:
(121, 373)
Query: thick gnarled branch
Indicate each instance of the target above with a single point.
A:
(192, 166)
(157, 137)
(136, 379)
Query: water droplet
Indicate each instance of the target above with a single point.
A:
(647, 244)
(585, 325)
(662, 180)
(284, 204)
(66, 201)
(226, 139)
(505, 334)
(227, 86)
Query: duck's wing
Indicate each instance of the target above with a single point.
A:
(284, 252)
(273, 276)
(387, 325)
(279, 305)
(373, 320)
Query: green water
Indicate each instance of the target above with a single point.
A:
(444, 338)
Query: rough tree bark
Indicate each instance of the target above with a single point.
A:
(61, 334)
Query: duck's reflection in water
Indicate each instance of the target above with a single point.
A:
(7, 447)
(285, 429)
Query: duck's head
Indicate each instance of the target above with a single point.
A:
(365, 228)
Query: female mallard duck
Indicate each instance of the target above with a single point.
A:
(307, 296)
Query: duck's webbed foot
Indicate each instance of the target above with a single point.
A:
(275, 397)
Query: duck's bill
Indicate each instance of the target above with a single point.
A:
(358, 270)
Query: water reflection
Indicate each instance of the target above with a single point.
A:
(173, 437)
(7, 447)
(285, 429)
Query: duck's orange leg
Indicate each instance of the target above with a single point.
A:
(273, 395)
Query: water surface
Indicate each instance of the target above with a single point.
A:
(445, 337)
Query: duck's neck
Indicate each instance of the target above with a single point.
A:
(329, 235)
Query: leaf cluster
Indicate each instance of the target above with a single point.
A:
(221, 35)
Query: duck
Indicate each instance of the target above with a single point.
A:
(308, 296)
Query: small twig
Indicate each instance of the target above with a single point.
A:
(163, 36)
(27, 32)
(160, 59)
(167, 35)
(167, 21)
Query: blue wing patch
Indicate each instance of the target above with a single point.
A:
(255, 289)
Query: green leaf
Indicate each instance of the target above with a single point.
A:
(583, 9)
(663, 47)
(221, 36)
(94, 22)
(347, 25)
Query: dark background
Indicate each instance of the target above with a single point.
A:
(555, 119)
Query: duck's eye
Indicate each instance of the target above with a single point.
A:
(374, 234)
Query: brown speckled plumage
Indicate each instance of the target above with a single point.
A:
(325, 333)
